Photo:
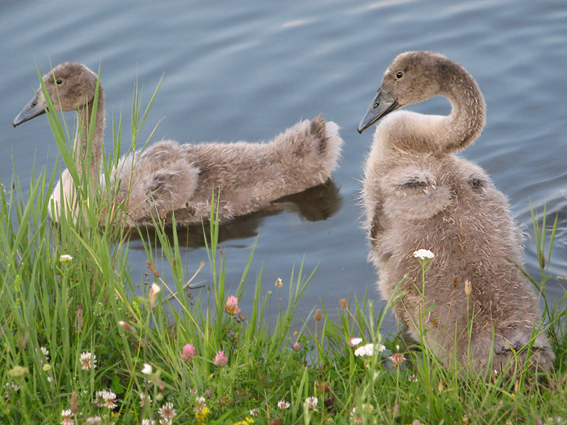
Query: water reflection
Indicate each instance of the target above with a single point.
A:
(315, 204)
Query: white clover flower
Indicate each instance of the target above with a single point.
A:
(167, 411)
(423, 254)
(65, 258)
(88, 361)
(147, 369)
(311, 403)
(201, 401)
(282, 404)
(354, 342)
(368, 350)
(67, 417)
(148, 422)
(143, 398)
(105, 398)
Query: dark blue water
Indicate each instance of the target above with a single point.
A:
(248, 70)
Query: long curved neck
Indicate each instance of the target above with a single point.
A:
(468, 116)
(88, 153)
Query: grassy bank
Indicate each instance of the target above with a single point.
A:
(79, 346)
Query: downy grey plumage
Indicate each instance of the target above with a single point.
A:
(418, 195)
(168, 178)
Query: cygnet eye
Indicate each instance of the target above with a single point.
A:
(399, 74)
(59, 81)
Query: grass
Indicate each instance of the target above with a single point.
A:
(79, 346)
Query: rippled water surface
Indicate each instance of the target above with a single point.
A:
(236, 70)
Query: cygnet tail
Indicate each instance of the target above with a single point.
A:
(309, 152)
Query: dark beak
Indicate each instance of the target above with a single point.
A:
(383, 104)
(34, 108)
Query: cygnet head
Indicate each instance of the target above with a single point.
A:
(70, 85)
(411, 78)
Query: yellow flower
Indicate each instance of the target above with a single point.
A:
(201, 415)
(246, 421)
(46, 367)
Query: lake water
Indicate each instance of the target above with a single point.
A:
(247, 70)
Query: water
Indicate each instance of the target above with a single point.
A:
(248, 70)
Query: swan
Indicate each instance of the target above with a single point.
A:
(168, 179)
(476, 310)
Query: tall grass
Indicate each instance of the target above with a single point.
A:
(82, 341)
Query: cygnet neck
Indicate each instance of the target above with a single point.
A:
(93, 161)
(468, 115)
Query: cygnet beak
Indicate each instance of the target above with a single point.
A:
(382, 105)
(34, 108)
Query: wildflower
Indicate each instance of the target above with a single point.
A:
(145, 398)
(18, 371)
(65, 258)
(88, 361)
(45, 351)
(282, 404)
(105, 398)
(397, 359)
(468, 287)
(167, 411)
(247, 420)
(412, 378)
(147, 369)
(297, 346)
(254, 412)
(231, 305)
(318, 315)
(366, 410)
(423, 254)
(354, 342)
(220, 359)
(12, 386)
(47, 367)
(154, 290)
(148, 422)
(125, 325)
(188, 352)
(311, 403)
(193, 391)
(343, 303)
(368, 350)
(201, 413)
(278, 283)
(49, 379)
(164, 421)
(201, 401)
(74, 403)
(67, 417)
(94, 420)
